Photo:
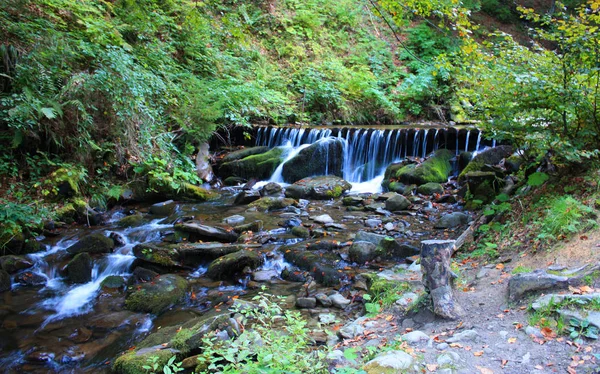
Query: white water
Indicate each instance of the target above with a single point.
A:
(73, 300)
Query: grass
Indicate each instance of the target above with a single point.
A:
(521, 269)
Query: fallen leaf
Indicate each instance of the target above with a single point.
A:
(512, 340)
(432, 367)
(586, 289)
(500, 266)
(548, 333)
(484, 370)
(503, 363)
(500, 316)
(456, 345)
(518, 326)
(478, 353)
(539, 367)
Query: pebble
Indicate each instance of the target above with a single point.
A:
(442, 346)
(530, 330)
(467, 335)
(503, 334)
(526, 359)
(234, 220)
(372, 223)
(415, 336)
(339, 300)
(323, 218)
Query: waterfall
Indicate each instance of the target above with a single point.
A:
(368, 151)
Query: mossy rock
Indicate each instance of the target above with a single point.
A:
(483, 185)
(430, 189)
(234, 181)
(362, 252)
(12, 264)
(113, 282)
(491, 156)
(193, 254)
(243, 153)
(231, 264)
(79, 269)
(256, 166)
(390, 174)
(94, 243)
(318, 266)
(134, 362)
(5, 283)
(72, 211)
(269, 203)
(157, 296)
(323, 187)
(66, 181)
(320, 158)
(131, 221)
(154, 254)
(189, 191)
(435, 169)
(301, 232)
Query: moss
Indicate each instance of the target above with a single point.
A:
(67, 181)
(259, 166)
(132, 362)
(301, 232)
(157, 296)
(131, 221)
(197, 193)
(93, 243)
(180, 339)
(245, 152)
(435, 169)
(491, 156)
(272, 203)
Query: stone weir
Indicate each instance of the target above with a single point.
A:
(366, 152)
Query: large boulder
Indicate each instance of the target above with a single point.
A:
(156, 296)
(192, 254)
(491, 156)
(12, 264)
(361, 252)
(79, 269)
(320, 188)
(320, 267)
(452, 220)
(397, 203)
(246, 197)
(390, 174)
(94, 244)
(198, 231)
(255, 166)
(147, 252)
(243, 153)
(321, 158)
(227, 266)
(435, 169)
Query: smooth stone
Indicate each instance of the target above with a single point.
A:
(452, 220)
(326, 318)
(373, 223)
(467, 335)
(323, 300)
(339, 301)
(415, 336)
(389, 362)
(533, 331)
(306, 302)
(234, 220)
(323, 219)
(164, 208)
(442, 346)
(264, 275)
(353, 329)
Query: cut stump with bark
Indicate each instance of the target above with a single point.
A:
(437, 277)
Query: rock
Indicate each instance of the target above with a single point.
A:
(430, 189)
(293, 276)
(199, 231)
(323, 272)
(319, 188)
(234, 181)
(339, 301)
(30, 279)
(463, 336)
(435, 169)
(5, 283)
(154, 254)
(361, 252)
(364, 236)
(447, 358)
(131, 221)
(272, 203)
(534, 332)
(326, 318)
(234, 220)
(414, 336)
(93, 243)
(306, 302)
(246, 197)
(113, 282)
(323, 300)
(483, 185)
(491, 156)
(118, 239)
(156, 296)
(133, 362)
(452, 220)
(254, 166)
(353, 329)
(373, 223)
(79, 269)
(322, 157)
(442, 346)
(271, 189)
(389, 362)
(264, 275)
(407, 301)
(164, 208)
(141, 275)
(244, 152)
(323, 219)
(521, 284)
(397, 203)
(203, 165)
(12, 264)
(230, 264)
(301, 232)
(389, 182)
(352, 200)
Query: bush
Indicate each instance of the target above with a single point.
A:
(564, 217)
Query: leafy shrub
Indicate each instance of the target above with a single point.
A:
(565, 216)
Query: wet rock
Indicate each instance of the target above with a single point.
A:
(154, 254)
(397, 203)
(322, 157)
(352, 200)
(361, 252)
(131, 221)
(292, 222)
(435, 169)
(323, 219)
(79, 269)
(164, 208)
(301, 232)
(255, 226)
(141, 275)
(133, 362)
(244, 152)
(93, 244)
(323, 272)
(339, 301)
(29, 279)
(12, 264)
(113, 282)
(306, 302)
(389, 362)
(323, 299)
(80, 335)
(257, 165)
(430, 189)
(264, 275)
(364, 236)
(233, 263)
(373, 207)
(234, 181)
(452, 220)
(246, 197)
(446, 199)
(156, 296)
(118, 239)
(40, 357)
(319, 188)
(5, 283)
(271, 189)
(199, 231)
(293, 275)
(373, 223)
(234, 220)
(491, 156)
(521, 284)
(193, 254)
(272, 203)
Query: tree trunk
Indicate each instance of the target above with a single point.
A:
(437, 277)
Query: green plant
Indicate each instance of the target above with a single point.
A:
(284, 343)
(169, 368)
(485, 249)
(521, 269)
(578, 329)
(565, 216)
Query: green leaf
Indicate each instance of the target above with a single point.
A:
(350, 354)
(537, 179)
(49, 113)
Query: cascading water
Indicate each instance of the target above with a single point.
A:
(367, 151)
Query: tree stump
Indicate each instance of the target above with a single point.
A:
(437, 277)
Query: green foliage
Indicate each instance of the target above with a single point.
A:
(521, 269)
(170, 366)
(383, 294)
(537, 179)
(565, 216)
(284, 343)
(578, 329)
(15, 218)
